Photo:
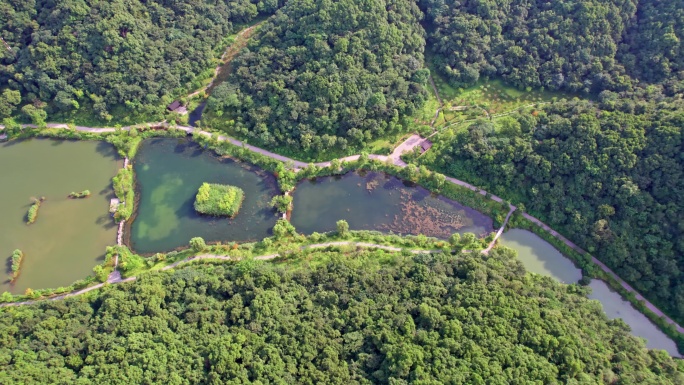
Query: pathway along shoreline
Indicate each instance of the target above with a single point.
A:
(115, 277)
(395, 158)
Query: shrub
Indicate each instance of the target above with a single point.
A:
(79, 195)
(197, 244)
(283, 228)
(342, 228)
(219, 200)
(281, 203)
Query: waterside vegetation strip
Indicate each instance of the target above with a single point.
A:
(32, 213)
(289, 172)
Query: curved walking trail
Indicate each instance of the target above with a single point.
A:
(408, 145)
(227, 57)
(116, 278)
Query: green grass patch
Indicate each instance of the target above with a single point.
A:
(219, 200)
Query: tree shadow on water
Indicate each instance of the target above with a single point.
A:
(8, 267)
(106, 222)
(106, 149)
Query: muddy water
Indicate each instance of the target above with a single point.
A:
(70, 235)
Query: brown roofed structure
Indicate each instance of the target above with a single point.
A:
(174, 106)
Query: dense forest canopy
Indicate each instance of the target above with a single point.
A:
(610, 175)
(435, 319)
(581, 46)
(104, 54)
(328, 74)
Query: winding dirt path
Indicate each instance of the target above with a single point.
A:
(230, 53)
(408, 145)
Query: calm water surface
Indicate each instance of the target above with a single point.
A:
(169, 172)
(376, 201)
(539, 256)
(70, 235)
(196, 114)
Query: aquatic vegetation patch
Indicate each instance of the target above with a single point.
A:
(79, 195)
(32, 214)
(17, 258)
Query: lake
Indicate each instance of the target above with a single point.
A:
(70, 235)
(169, 172)
(539, 256)
(376, 201)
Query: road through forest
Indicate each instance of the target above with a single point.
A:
(407, 145)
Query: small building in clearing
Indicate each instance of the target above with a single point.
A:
(114, 205)
(177, 107)
(425, 145)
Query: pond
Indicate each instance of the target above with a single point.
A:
(196, 114)
(539, 256)
(70, 235)
(376, 201)
(169, 172)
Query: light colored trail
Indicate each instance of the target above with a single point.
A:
(115, 277)
(235, 46)
(408, 145)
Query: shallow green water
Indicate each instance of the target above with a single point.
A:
(376, 201)
(616, 307)
(539, 256)
(169, 172)
(70, 235)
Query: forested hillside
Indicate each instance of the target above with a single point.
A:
(653, 49)
(327, 74)
(581, 46)
(610, 176)
(107, 54)
(436, 319)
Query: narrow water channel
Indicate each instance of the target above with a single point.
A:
(539, 256)
(70, 235)
(376, 201)
(168, 174)
(195, 115)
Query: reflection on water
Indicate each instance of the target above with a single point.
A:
(539, 256)
(169, 172)
(616, 307)
(70, 235)
(376, 201)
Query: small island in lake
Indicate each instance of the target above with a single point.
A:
(218, 199)
(80, 195)
(17, 257)
(32, 214)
